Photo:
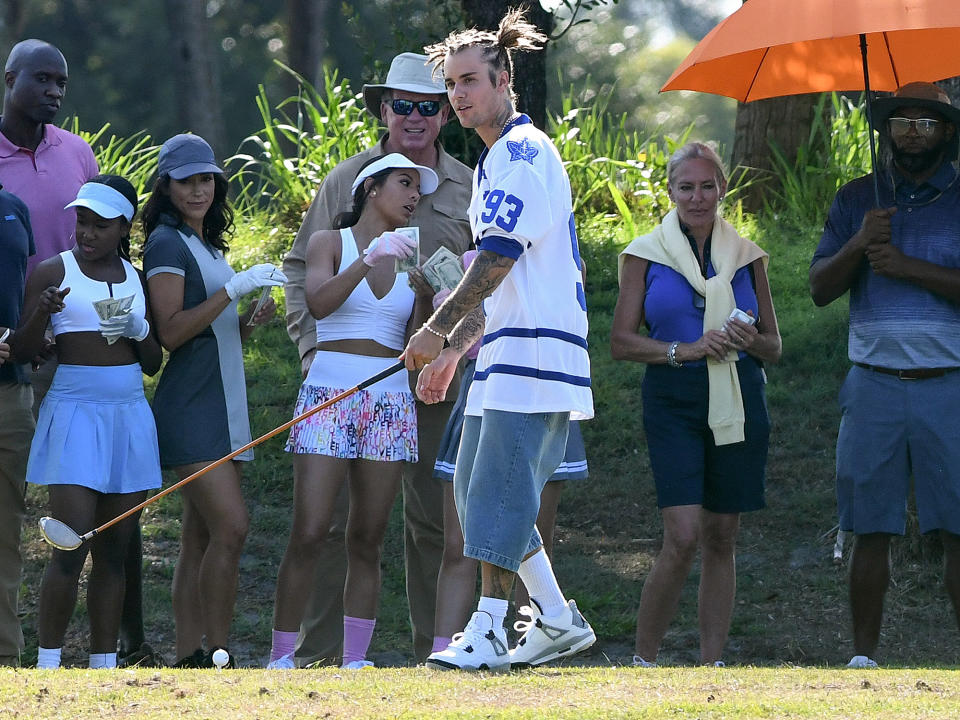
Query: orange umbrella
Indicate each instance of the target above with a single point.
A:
(772, 48)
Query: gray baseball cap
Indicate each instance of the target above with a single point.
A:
(184, 155)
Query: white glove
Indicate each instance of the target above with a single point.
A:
(391, 245)
(128, 326)
(256, 277)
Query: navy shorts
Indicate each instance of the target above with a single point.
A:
(688, 467)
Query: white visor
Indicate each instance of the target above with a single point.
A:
(393, 161)
(103, 200)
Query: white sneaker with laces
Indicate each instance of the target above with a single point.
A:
(861, 662)
(479, 647)
(284, 662)
(640, 662)
(357, 665)
(548, 638)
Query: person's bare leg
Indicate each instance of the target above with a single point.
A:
(188, 622)
(663, 586)
(218, 499)
(317, 481)
(718, 581)
(373, 490)
(869, 578)
(457, 582)
(105, 588)
(495, 581)
(951, 569)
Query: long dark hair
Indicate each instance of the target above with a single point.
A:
(217, 223)
(122, 186)
(349, 218)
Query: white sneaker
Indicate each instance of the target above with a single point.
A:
(545, 639)
(284, 662)
(357, 665)
(640, 662)
(479, 647)
(861, 661)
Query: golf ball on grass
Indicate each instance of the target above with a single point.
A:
(220, 657)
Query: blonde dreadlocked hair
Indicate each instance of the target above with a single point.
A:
(513, 33)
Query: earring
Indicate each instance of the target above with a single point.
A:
(373, 194)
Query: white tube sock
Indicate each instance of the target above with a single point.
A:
(495, 608)
(100, 661)
(48, 658)
(536, 572)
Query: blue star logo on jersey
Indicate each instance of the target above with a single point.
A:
(521, 151)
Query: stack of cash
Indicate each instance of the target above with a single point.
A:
(443, 270)
(409, 263)
(113, 307)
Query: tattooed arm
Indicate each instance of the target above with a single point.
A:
(435, 378)
(483, 276)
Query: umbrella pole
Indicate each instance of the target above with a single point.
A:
(866, 89)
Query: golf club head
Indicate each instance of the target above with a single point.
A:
(59, 534)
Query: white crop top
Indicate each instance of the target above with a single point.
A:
(79, 314)
(362, 316)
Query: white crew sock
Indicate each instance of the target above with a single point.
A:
(48, 658)
(496, 609)
(536, 573)
(99, 661)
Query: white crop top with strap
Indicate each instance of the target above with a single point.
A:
(78, 314)
(362, 316)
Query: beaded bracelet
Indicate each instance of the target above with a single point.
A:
(672, 355)
(426, 326)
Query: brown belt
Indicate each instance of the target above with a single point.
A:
(911, 373)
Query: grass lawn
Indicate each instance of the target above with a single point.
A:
(731, 694)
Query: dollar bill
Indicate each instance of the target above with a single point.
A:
(112, 307)
(407, 264)
(443, 270)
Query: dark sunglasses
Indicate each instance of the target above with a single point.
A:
(427, 108)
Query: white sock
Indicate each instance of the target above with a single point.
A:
(100, 661)
(536, 572)
(48, 658)
(496, 609)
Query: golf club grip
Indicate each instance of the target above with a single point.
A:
(396, 367)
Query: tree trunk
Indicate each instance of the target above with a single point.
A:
(307, 25)
(195, 71)
(14, 16)
(784, 121)
(529, 69)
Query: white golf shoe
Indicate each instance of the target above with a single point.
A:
(548, 638)
(862, 662)
(479, 647)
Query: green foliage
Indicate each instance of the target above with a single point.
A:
(606, 161)
(133, 157)
(836, 151)
(302, 139)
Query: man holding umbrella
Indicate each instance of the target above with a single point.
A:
(901, 399)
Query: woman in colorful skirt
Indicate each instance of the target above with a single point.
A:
(365, 310)
(95, 446)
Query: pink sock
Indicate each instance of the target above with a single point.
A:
(356, 637)
(283, 644)
(440, 643)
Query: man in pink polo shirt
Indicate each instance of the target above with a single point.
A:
(40, 163)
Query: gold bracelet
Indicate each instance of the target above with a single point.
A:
(426, 326)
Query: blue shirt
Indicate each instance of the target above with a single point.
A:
(16, 245)
(673, 310)
(895, 323)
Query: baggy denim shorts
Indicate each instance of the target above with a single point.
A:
(505, 459)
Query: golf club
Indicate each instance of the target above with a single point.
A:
(63, 537)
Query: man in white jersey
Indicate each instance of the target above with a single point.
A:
(533, 371)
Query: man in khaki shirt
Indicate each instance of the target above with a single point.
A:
(442, 219)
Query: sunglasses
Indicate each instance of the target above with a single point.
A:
(427, 108)
(924, 126)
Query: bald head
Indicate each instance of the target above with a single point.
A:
(35, 80)
(27, 52)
